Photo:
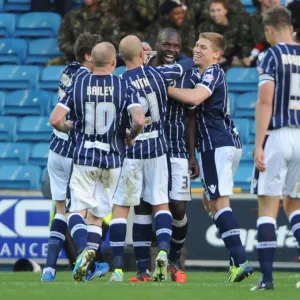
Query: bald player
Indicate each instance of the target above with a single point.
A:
(145, 168)
(101, 106)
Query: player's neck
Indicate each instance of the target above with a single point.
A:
(133, 64)
(284, 37)
(102, 71)
(207, 65)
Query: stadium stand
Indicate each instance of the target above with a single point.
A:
(13, 51)
(17, 5)
(14, 153)
(8, 129)
(7, 25)
(50, 77)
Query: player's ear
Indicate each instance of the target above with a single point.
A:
(88, 57)
(114, 63)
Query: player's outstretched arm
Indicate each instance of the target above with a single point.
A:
(190, 96)
(137, 124)
(57, 119)
(263, 114)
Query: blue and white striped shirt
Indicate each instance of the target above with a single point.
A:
(98, 106)
(62, 143)
(281, 64)
(214, 127)
(175, 125)
(152, 84)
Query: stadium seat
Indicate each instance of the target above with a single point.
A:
(34, 129)
(2, 102)
(13, 51)
(243, 176)
(39, 154)
(245, 104)
(14, 153)
(38, 24)
(19, 77)
(41, 50)
(20, 177)
(1, 5)
(7, 25)
(119, 71)
(248, 5)
(17, 5)
(232, 97)
(243, 127)
(27, 102)
(252, 131)
(242, 79)
(50, 77)
(8, 128)
(247, 156)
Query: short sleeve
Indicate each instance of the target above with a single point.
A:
(66, 99)
(210, 79)
(266, 67)
(132, 97)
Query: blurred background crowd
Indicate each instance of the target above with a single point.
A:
(114, 19)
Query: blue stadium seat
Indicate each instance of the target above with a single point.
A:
(8, 129)
(242, 79)
(27, 102)
(13, 51)
(243, 176)
(119, 71)
(7, 25)
(248, 5)
(39, 154)
(50, 77)
(2, 102)
(19, 77)
(14, 153)
(38, 24)
(247, 156)
(34, 129)
(17, 5)
(1, 5)
(41, 50)
(252, 131)
(20, 177)
(245, 104)
(232, 105)
(243, 127)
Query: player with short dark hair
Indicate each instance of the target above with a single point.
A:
(218, 144)
(61, 155)
(168, 48)
(277, 141)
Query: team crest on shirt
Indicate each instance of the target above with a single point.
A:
(208, 78)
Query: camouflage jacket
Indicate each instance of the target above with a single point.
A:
(236, 35)
(198, 10)
(79, 20)
(186, 31)
(256, 29)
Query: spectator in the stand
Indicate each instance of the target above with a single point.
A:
(199, 12)
(173, 14)
(59, 6)
(294, 8)
(132, 16)
(296, 35)
(89, 17)
(233, 28)
(256, 29)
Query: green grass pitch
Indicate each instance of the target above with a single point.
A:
(200, 286)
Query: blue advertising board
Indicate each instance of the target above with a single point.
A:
(24, 227)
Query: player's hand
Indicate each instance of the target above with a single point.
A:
(146, 46)
(129, 141)
(259, 159)
(193, 168)
(69, 125)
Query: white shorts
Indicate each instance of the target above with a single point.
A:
(180, 179)
(92, 188)
(150, 175)
(217, 169)
(282, 159)
(59, 170)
